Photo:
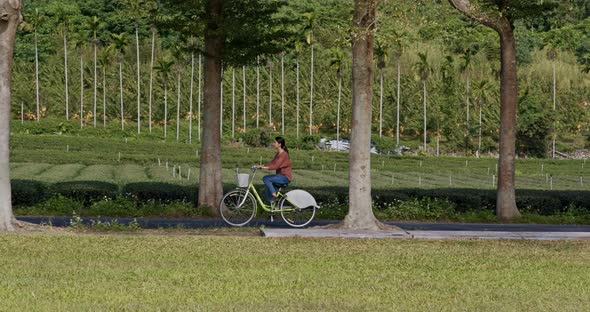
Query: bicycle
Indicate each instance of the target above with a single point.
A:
(238, 207)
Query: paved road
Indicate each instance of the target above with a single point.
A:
(154, 223)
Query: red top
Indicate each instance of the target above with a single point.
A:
(282, 164)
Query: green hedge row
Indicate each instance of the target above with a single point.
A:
(30, 192)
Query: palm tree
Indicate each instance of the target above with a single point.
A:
(192, 46)
(381, 47)
(94, 24)
(269, 64)
(233, 101)
(178, 56)
(465, 69)
(104, 59)
(120, 42)
(298, 49)
(244, 95)
(153, 17)
(199, 100)
(63, 18)
(482, 90)
(257, 91)
(424, 70)
(283, 93)
(79, 42)
(398, 49)
(136, 9)
(32, 23)
(310, 22)
(337, 57)
(164, 66)
(552, 55)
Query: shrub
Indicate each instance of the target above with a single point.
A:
(118, 207)
(57, 205)
(420, 209)
(85, 191)
(27, 192)
(144, 191)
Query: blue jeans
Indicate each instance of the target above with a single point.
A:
(270, 181)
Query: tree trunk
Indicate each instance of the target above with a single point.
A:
(104, 98)
(121, 94)
(210, 183)
(297, 95)
(479, 133)
(338, 111)
(270, 95)
(190, 101)
(424, 85)
(360, 214)
(165, 107)
(554, 107)
(244, 95)
(233, 102)
(380, 102)
(199, 102)
(37, 75)
(283, 93)
(66, 76)
(81, 90)
(95, 83)
(151, 81)
(138, 80)
(257, 92)
(8, 24)
(178, 86)
(220, 102)
(398, 100)
(311, 91)
(506, 199)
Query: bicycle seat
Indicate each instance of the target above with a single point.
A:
(280, 185)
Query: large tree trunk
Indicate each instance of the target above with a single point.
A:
(210, 186)
(360, 214)
(8, 24)
(506, 199)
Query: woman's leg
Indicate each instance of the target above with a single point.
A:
(269, 182)
(269, 188)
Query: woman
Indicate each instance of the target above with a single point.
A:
(282, 164)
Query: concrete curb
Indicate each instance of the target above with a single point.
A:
(319, 233)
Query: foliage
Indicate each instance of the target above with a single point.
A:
(534, 126)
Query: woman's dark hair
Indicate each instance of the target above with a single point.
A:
(281, 141)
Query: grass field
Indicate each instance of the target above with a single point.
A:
(209, 273)
(55, 158)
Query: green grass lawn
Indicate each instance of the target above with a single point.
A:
(172, 273)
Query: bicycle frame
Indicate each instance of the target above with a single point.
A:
(252, 190)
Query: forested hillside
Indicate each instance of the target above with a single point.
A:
(445, 61)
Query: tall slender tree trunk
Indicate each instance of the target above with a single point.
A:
(554, 108)
(210, 183)
(424, 130)
(221, 102)
(467, 105)
(121, 94)
(338, 111)
(199, 101)
(233, 101)
(257, 91)
(190, 101)
(178, 86)
(37, 77)
(270, 94)
(8, 25)
(138, 79)
(380, 102)
(151, 80)
(104, 98)
(297, 99)
(165, 108)
(244, 95)
(398, 101)
(311, 92)
(283, 93)
(66, 76)
(506, 198)
(360, 214)
(81, 90)
(479, 132)
(95, 83)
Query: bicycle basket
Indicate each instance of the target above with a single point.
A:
(243, 179)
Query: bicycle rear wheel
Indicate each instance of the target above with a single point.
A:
(237, 208)
(296, 217)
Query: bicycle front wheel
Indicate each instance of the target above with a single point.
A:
(296, 217)
(237, 208)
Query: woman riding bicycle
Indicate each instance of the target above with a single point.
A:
(282, 164)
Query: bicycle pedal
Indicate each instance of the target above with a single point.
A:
(272, 218)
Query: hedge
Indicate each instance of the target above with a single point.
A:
(29, 192)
